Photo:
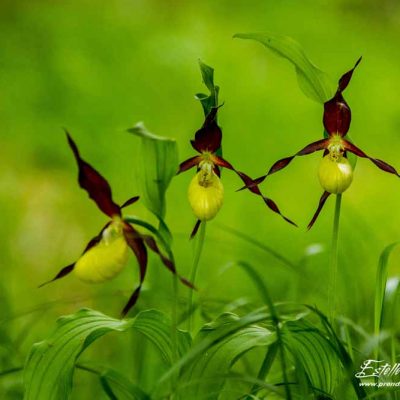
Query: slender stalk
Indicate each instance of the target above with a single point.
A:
(333, 264)
(276, 321)
(196, 259)
(264, 369)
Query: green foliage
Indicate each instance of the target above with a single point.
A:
(206, 374)
(215, 337)
(158, 163)
(118, 387)
(314, 83)
(211, 100)
(314, 353)
(50, 365)
(381, 289)
(136, 61)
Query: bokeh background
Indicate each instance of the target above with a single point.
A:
(97, 68)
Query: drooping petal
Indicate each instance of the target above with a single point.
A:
(152, 244)
(209, 136)
(64, 272)
(250, 184)
(69, 268)
(221, 162)
(189, 163)
(379, 163)
(195, 229)
(337, 113)
(284, 162)
(130, 201)
(136, 243)
(96, 186)
(321, 204)
(273, 206)
(310, 148)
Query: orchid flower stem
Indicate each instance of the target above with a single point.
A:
(196, 259)
(333, 265)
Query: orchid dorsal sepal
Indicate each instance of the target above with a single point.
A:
(206, 191)
(337, 113)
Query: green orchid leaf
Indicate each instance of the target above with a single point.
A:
(119, 387)
(50, 365)
(207, 342)
(211, 100)
(313, 351)
(158, 163)
(205, 376)
(314, 83)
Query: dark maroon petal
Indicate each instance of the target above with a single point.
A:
(273, 206)
(321, 204)
(379, 163)
(149, 240)
(97, 187)
(310, 148)
(130, 201)
(284, 162)
(136, 243)
(337, 113)
(132, 301)
(337, 116)
(189, 163)
(96, 239)
(195, 229)
(66, 270)
(217, 171)
(345, 79)
(251, 185)
(209, 136)
(221, 162)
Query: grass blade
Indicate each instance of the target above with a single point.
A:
(380, 288)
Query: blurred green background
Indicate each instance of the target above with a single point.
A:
(97, 68)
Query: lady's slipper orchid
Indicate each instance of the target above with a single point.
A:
(106, 255)
(335, 171)
(206, 191)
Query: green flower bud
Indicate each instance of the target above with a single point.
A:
(335, 174)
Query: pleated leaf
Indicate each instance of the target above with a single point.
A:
(313, 351)
(50, 365)
(207, 371)
(158, 164)
(119, 387)
(208, 341)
